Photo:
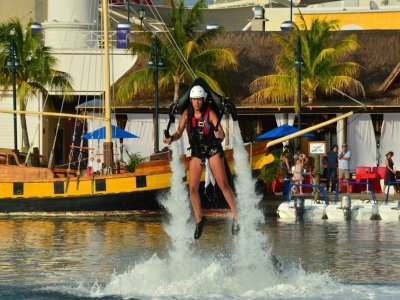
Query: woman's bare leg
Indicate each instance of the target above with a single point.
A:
(195, 168)
(218, 169)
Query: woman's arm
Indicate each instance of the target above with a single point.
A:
(179, 131)
(388, 166)
(218, 132)
(287, 164)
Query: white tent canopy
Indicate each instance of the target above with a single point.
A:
(361, 141)
(390, 141)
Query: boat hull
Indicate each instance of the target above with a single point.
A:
(359, 211)
(312, 210)
(108, 202)
(89, 203)
(389, 212)
(30, 189)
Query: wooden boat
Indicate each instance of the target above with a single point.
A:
(37, 189)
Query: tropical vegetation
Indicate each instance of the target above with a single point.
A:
(133, 160)
(36, 69)
(186, 54)
(271, 171)
(324, 70)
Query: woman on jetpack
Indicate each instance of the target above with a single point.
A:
(200, 120)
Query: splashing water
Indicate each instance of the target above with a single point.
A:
(189, 273)
(250, 240)
(177, 205)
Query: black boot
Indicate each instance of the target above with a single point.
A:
(235, 227)
(199, 228)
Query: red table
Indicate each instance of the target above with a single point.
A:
(367, 176)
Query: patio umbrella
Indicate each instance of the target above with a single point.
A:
(117, 133)
(281, 131)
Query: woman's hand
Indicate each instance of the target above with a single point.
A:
(168, 140)
(219, 134)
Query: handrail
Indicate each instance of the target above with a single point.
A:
(319, 186)
(50, 114)
(367, 183)
(388, 188)
(307, 130)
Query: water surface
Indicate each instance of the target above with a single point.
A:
(68, 258)
(153, 256)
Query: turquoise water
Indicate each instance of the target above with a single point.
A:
(133, 257)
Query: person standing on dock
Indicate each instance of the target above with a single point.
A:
(200, 120)
(332, 164)
(285, 167)
(390, 173)
(300, 155)
(344, 165)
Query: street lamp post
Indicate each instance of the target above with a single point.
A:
(298, 64)
(128, 7)
(12, 64)
(142, 13)
(155, 63)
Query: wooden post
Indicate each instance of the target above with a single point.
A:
(306, 130)
(317, 174)
(107, 146)
(108, 155)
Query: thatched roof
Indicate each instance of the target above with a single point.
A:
(378, 56)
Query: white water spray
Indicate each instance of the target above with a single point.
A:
(190, 272)
(252, 255)
(177, 205)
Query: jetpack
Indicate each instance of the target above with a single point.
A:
(219, 104)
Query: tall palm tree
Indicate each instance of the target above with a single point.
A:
(185, 54)
(324, 71)
(36, 67)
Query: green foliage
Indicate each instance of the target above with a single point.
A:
(185, 53)
(271, 171)
(324, 70)
(36, 67)
(133, 161)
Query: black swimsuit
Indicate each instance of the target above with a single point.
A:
(203, 143)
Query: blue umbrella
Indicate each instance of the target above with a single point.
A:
(281, 131)
(117, 133)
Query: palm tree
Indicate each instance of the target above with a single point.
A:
(36, 70)
(324, 71)
(185, 54)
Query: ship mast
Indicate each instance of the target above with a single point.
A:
(107, 145)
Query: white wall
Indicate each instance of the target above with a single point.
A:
(70, 24)
(34, 124)
(86, 68)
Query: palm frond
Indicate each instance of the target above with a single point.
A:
(222, 58)
(348, 85)
(207, 36)
(133, 84)
(323, 65)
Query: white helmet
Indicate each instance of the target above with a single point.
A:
(197, 92)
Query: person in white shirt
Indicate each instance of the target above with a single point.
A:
(344, 166)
